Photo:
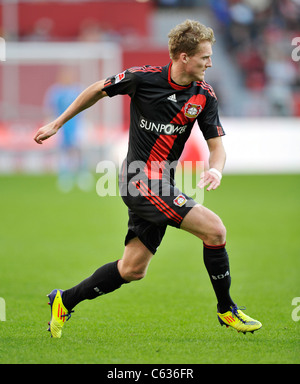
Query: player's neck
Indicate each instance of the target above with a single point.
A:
(179, 76)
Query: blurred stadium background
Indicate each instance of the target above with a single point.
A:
(51, 45)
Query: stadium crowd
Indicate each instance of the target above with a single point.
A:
(258, 36)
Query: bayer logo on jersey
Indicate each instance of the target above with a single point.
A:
(192, 110)
(180, 200)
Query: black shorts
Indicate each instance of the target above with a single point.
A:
(152, 206)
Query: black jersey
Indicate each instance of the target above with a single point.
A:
(162, 114)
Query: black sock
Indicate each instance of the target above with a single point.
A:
(106, 279)
(217, 264)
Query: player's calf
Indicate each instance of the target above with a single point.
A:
(104, 280)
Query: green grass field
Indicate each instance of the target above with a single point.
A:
(53, 240)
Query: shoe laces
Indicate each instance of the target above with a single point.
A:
(68, 315)
(234, 311)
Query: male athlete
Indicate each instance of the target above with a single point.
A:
(165, 103)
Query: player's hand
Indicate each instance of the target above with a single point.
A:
(210, 178)
(45, 132)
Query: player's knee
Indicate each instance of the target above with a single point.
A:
(138, 275)
(221, 233)
(218, 234)
(133, 273)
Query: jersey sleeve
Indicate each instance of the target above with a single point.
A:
(124, 83)
(209, 121)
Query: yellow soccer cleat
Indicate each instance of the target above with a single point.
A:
(238, 320)
(59, 313)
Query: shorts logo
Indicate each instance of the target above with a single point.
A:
(119, 77)
(180, 200)
(192, 110)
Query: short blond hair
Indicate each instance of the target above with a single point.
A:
(185, 37)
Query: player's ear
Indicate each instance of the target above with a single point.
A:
(184, 58)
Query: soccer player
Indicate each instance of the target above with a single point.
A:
(58, 97)
(165, 103)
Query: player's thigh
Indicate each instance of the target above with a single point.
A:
(135, 260)
(205, 224)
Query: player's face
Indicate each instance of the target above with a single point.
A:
(197, 64)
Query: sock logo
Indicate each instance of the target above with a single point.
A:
(221, 276)
(96, 289)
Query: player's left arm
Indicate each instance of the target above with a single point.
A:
(85, 100)
(217, 157)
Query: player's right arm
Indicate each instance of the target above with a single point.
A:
(85, 100)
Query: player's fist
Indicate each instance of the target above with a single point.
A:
(45, 132)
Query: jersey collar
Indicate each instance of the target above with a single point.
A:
(172, 83)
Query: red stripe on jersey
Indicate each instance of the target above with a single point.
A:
(158, 202)
(145, 69)
(159, 153)
(164, 143)
(176, 216)
(153, 201)
(107, 83)
(220, 130)
(207, 87)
